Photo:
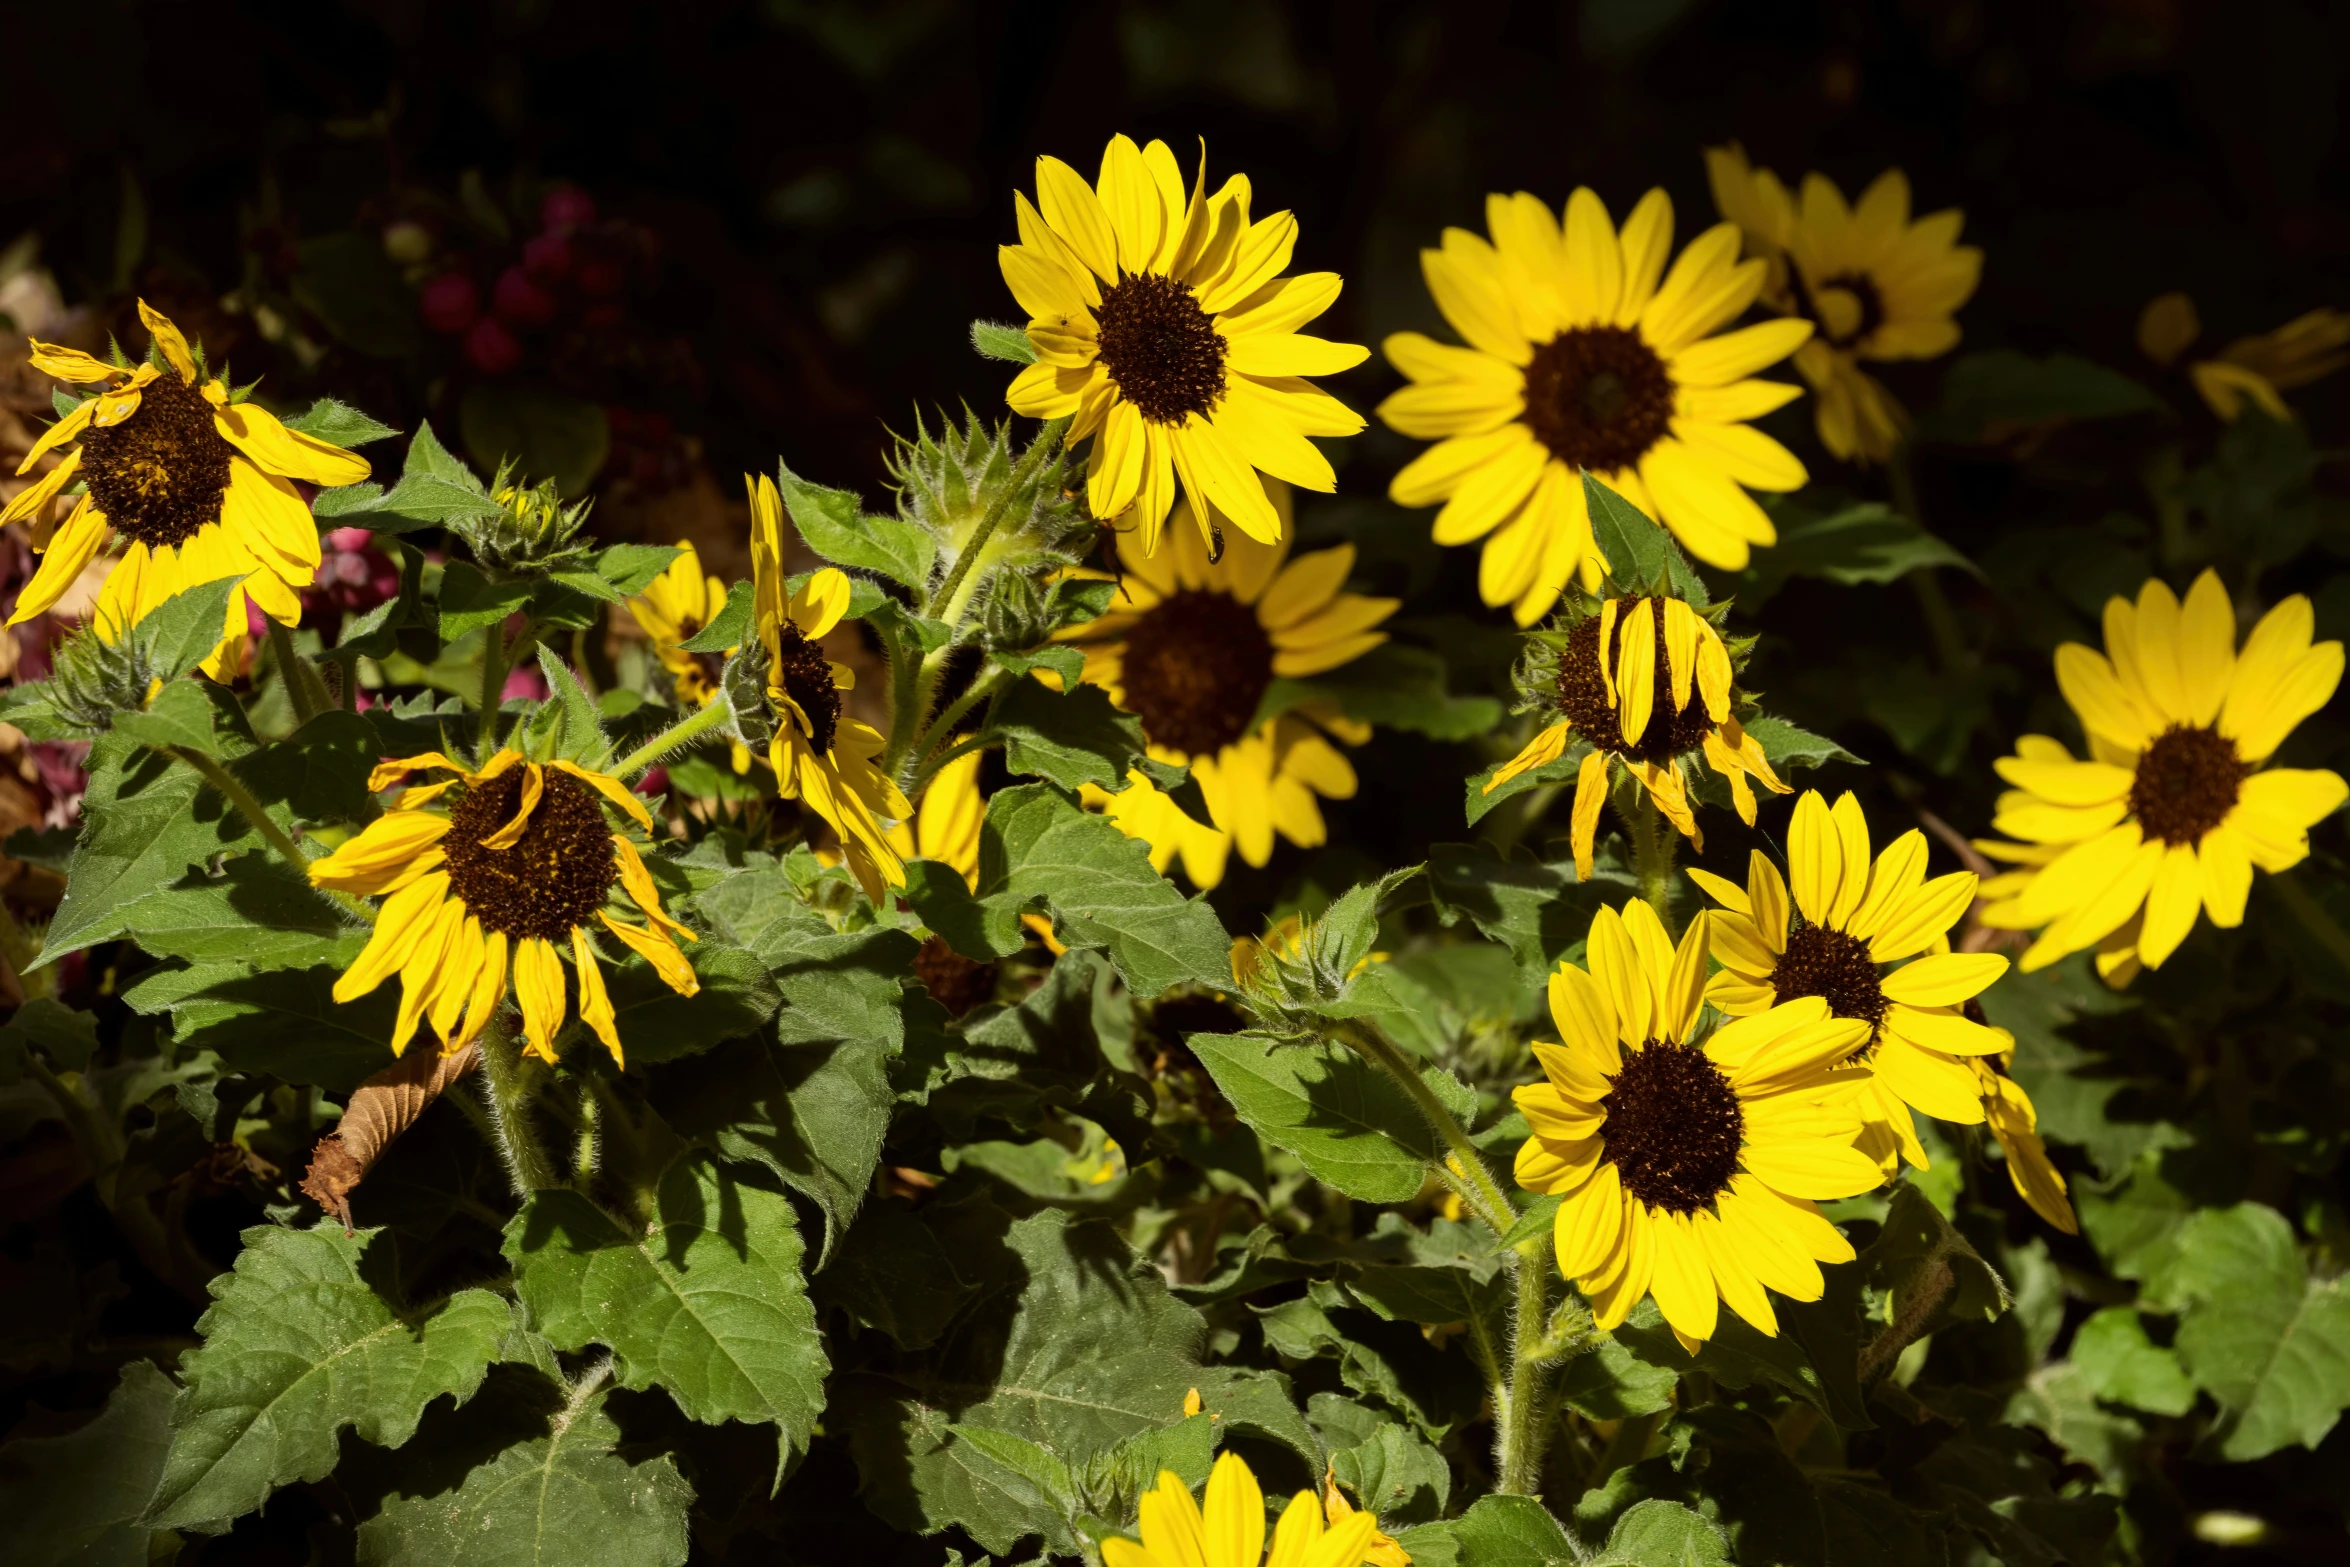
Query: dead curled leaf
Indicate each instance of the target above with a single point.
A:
(381, 1108)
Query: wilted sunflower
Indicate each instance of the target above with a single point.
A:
(1874, 285)
(819, 753)
(1580, 361)
(2017, 1126)
(673, 608)
(1190, 647)
(2256, 370)
(1164, 329)
(1644, 682)
(201, 487)
(1849, 920)
(517, 858)
(1231, 1531)
(2172, 809)
(1689, 1172)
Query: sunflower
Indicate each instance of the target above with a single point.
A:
(819, 753)
(1689, 1171)
(2251, 370)
(1164, 330)
(1851, 919)
(517, 859)
(199, 485)
(673, 608)
(1230, 1531)
(1580, 361)
(1645, 682)
(1382, 1551)
(1873, 284)
(2171, 810)
(2017, 1126)
(1190, 648)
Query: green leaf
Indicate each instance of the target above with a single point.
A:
(258, 912)
(180, 715)
(470, 601)
(1985, 394)
(2119, 1362)
(1739, 1356)
(285, 1024)
(63, 1035)
(1914, 1247)
(707, 1303)
(1612, 1382)
(549, 434)
(729, 628)
(182, 631)
(1395, 687)
(435, 490)
(1864, 541)
(339, 424)
(892, 1273)
(1070, 737)
(631, 568)
(1348, 1123)
(1397, 1476)
(2255, 1332)
(1658, 1533)
(1537, 1221)
(833, 524)
(1538, 909)
(300, 1343)
(1641, 556)
(1512, 1531)
(78, 1500)
(998, 340)
(1788, 747)
(567, 1496)
(1482, 795)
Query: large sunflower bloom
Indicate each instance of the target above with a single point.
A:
(2171, 811)
(1580, 361)
(819, 753)
(1848, 921)
(1164, 330)
(198, 486)
(673, 608)
(1874, 284)
(517, 862)
(1230, 1531)
(1689, 1172)
(1190, 648)
(1645, 682)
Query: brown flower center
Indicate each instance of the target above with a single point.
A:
(804, 674)
(1583, 696)
(953, 980)
(1673, 1127)
(1834, 966)
(1196, 666)
(1598, 397)
(1845, 308)
(553, 878)
(1161, 348)
(160, 474)
(2187, 782)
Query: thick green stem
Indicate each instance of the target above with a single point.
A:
(509, 1075)
(943, 725)
(251, 809)
(295, 673)
(2312, 916)
(1478, 1188)
(684, 732)
(1653, 847)
(931, 768)
(951, 600)
(1521, 1420)
(494, 656)
(906, 698)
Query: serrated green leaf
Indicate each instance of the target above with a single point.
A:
(631, 568)
(1070, 737)
(1064, 661)
(62, 1035)
(1397, 1476)
(1984, 394)
(339, 424)
(1538, 909)
(1510, 1531)
(1788, 747)
(2119, 1362)
(435, 490)
(729, 628)
(564, 1497)
(182, 631)
(1862, 542)
(707, 1303)
(470, 601)
(833, 524)
(1632, 543)
(284, 1023)
(1559, 772)
(999, 340)
(78, 1500)
(298, 1344)
(1346, 1121)
(257, 912)
(1658, 1533)
(180, 715)
(1537, 1221)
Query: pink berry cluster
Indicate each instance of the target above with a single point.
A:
(565, 272)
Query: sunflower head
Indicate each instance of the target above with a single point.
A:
(673, 609)
(951, 480)
(533, 530)
(1229, 1529)
(96, 676)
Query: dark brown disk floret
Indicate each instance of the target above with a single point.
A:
(553, 878)
(1598, 397)
(1583, 696)
(1196, 666)
(1673, 1127)
(160, 474)
(1161, 348)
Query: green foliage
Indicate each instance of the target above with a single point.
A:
(81, 1497)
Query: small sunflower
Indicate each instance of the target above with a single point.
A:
(1164, 330)
(1689, 1172)
(1230, 1531)
(199, 485)
(2017, 1126)
(1580, 361)
(2172, 810)
(1645, 682)
(518, 860)
(2250, 371)
(1873, 284)
(673, 608)
(1190, 648)
(1850, 919)
(819, 753)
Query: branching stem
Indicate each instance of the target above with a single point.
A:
(682, 733)
(511, 1092)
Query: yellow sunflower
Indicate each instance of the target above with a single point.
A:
(2251, 370)
(1164, 330)
(673, 608)
(945, 825)
(1580, 361)
(1851, 919)
(518, 859)
(2171, 811)
(1689, 1172)
(1645, 682)
(1190, 647)
(1230, 1531)
(198, 486)
(1874, 285)
(819, 753)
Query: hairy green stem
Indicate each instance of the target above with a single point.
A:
(2312, 916)
(1521, 1414)
(1482, 1193)
(1653, 847)
(906, 680)
(950, 602)
(508, 1073)
(687, 729)
(932, 768)
(983, 687)
(298, 692)
(251, 809)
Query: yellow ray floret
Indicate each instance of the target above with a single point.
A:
(1229, 1530)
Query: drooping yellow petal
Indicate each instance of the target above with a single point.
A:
(538, 985)
(595, 1003)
